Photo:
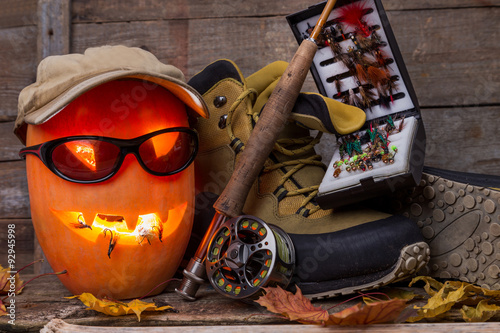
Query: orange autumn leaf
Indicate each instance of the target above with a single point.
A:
(113, 308)
(5, 282)
(294, 307)
(372, 313)
(299, 308)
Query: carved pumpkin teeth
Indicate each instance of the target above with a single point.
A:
(146, 227)
(130, 221)
(149, 227)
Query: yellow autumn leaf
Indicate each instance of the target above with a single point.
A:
(482, 312)
(3, 309)
(481, 291)
(446, 295)
(431, 285)
(440, 303)
(113, 308)
(5, 281)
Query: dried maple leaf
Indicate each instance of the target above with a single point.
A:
(445, 296)
(299, 308)
(439, 304)
(294, 307)
(372, 313)
(482, 312)
(113, 308)
(5, 285)
(431, 285)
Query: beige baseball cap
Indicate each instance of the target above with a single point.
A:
(61, 79)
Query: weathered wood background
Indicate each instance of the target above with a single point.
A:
(451, 49)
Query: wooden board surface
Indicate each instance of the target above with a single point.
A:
(447, 65)
(450, 53)
(461, 139)
(17, 68)
(9, 143)
(18, 13)
(112, 11)
(24, 247)
(450, 48)
(14, 201)
(43, 300)
(58, 325)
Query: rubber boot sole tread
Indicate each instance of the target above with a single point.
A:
(461, 224)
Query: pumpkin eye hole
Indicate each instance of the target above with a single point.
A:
(167, 152)
(85, 159)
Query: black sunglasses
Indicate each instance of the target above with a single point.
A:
(91, 159)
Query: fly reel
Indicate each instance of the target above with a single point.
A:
(247, 254)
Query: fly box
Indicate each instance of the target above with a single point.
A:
(358, 62)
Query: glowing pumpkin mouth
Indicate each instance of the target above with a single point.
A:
(149, 228)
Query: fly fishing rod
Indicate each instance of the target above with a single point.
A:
(231, 201)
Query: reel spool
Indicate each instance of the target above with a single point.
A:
(246, 254)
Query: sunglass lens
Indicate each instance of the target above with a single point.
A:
(85, 160)
(168, 153)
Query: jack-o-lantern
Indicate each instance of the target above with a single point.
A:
(112, 187)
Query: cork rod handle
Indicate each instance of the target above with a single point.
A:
(266, 131)
(270, 124)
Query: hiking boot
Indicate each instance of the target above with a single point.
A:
(459, 218)
(337, 252)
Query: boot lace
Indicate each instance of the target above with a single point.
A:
(300, 146)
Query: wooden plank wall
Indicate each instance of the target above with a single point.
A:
(450, 48)
(18, 61)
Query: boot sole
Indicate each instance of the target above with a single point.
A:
(458, 222)
(412, 259)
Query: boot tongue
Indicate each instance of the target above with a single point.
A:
(327, 115)
(264, 81)
(213, 73)
(261, 79)
(311, 110)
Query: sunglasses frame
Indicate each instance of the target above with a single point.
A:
(44, 151)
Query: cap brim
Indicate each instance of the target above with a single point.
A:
(180, 89)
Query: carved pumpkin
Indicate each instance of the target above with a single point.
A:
(78, 225)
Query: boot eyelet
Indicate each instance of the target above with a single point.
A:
(222, 121)
(219, 101)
